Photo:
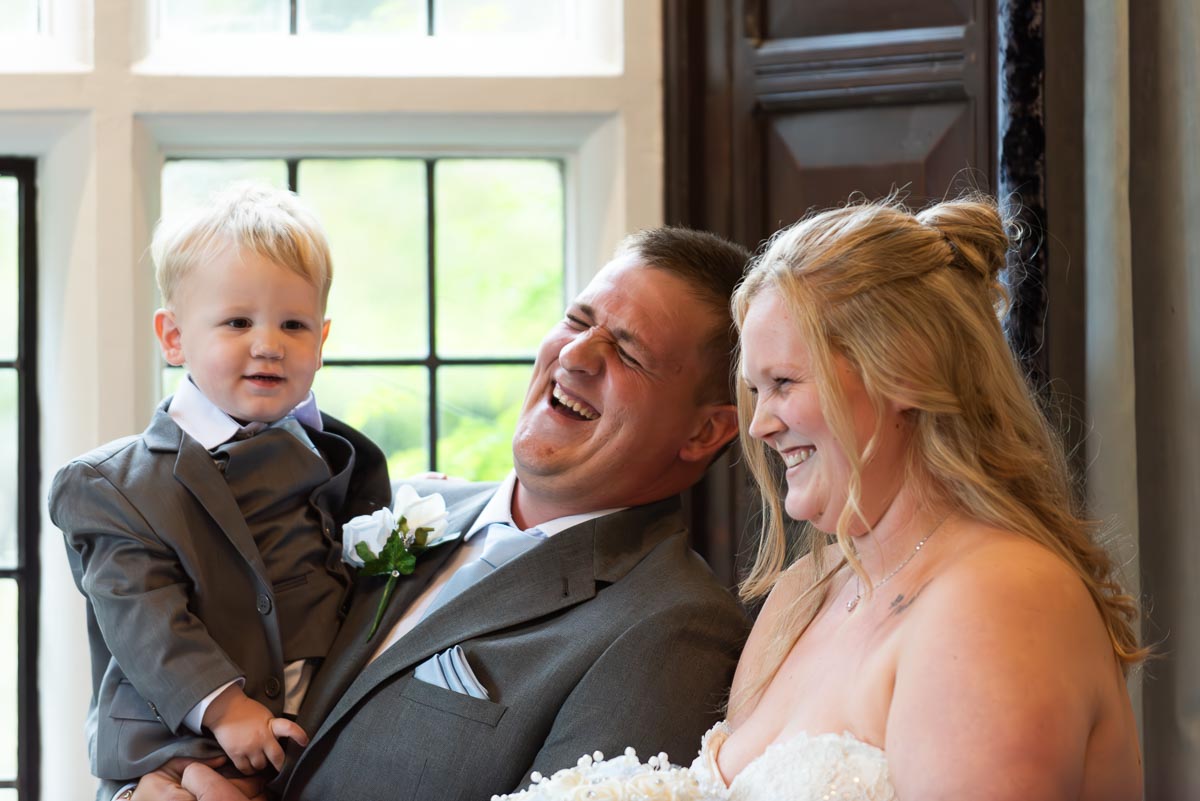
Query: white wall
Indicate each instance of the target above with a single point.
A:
(100, 121)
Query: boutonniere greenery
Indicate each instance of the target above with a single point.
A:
(388, 541)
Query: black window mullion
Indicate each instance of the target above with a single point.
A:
(28, 488)
(429, 11)
(293, 165)
(293, 19)
(429, 362)
(431, 286)
(26, 573)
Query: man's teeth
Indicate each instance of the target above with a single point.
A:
(583, 411)
(794, 457)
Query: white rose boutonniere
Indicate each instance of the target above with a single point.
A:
(388, 541)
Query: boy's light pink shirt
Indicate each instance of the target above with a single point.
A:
(208, 424)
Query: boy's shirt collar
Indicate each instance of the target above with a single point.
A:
(205, 422)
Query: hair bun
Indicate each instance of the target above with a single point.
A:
(975, 229)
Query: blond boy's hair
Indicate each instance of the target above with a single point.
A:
(272, 223)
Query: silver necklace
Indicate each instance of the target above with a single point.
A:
(853, 602)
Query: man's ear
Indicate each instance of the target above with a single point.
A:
(718, 425)
(169, 336)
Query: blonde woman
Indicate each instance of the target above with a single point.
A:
(953, 631)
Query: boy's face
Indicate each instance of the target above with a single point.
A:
(250, 332)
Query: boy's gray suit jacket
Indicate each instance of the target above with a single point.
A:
(151, 525)
(612, 633)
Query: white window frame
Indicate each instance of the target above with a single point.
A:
(102, 129)
(62, 43)
(598, 51)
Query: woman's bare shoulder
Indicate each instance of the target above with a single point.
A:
(1001, 571)
(1007, 645)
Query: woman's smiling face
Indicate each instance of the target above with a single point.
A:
(778, 369)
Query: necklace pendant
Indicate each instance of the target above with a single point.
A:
(852, 603)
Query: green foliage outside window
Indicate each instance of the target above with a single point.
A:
(498, 256)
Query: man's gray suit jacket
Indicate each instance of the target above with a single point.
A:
(157, 543)
(612, 633)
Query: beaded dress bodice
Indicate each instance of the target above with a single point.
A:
(802, 768)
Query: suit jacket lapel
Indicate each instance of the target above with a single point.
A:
(559, 573)
(350, 651)
(198, 473)
(339, 456)
(556, 574)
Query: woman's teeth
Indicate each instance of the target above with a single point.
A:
(794, 457)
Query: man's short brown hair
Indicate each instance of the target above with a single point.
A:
(712, 266)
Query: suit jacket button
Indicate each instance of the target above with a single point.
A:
(271, 688)
(263, 605)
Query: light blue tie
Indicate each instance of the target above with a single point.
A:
(504, 543)
(291, 425)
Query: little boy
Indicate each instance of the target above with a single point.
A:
(209, 547)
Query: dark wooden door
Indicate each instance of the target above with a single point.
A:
(774, 108)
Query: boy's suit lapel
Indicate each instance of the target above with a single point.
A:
(339, 456)
(198, 473)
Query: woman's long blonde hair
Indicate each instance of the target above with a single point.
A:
(913, 302)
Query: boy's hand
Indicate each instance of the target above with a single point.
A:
(248, 732)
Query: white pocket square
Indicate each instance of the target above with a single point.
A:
(450, 671)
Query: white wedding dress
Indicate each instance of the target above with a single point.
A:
(802, 768)
(825, 767)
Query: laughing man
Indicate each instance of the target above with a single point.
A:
(602, 629)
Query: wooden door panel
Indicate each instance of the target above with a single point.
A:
(786, 19)
(776, 107)
(814, 156)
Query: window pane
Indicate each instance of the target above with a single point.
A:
(8, 468)
(477, 414)
(374, 213)
(526, 17)
(9, 285)
(388, 404)
(8, 679)
(499, 254)
(362, 16)
(18, 16)
(199, 17)
(8, 795)
(171, 376)
(189, 183)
